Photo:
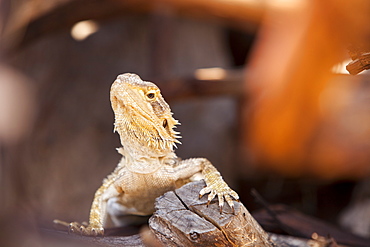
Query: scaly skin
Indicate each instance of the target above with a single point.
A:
(149, 166)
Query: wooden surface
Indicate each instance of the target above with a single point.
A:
(288, 221)
(182, 219)
(51, 237)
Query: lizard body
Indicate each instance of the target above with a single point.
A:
(149, 166)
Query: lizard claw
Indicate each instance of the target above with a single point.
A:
(223, 192)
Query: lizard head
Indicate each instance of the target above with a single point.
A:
(143, 118)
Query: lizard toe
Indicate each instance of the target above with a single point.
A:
(204, 191)
(93, 231)
(221, 201)
(74, 227)
(211, 196)
(230, 203)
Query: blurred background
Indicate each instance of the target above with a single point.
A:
(260, 88)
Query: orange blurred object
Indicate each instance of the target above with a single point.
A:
(289, 73)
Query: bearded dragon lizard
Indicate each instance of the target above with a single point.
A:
(149, 166)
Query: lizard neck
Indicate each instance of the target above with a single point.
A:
(144, 164)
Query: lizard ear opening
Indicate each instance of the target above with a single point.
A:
(116, 104)
(165, 124)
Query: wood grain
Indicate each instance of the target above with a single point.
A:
(182, 219)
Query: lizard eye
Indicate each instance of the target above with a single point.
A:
(150, 94)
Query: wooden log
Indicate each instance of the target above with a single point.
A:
(286, 220)
(360, 55)
(182, 219)
(52, 237)
(359, 64)
(45, 16)
(200, 85)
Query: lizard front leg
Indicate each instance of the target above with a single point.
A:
(215, 185)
